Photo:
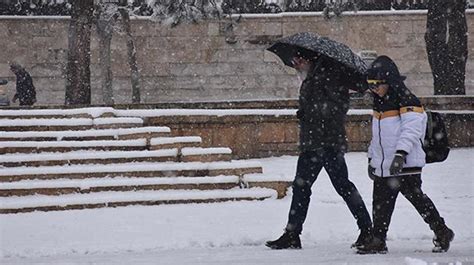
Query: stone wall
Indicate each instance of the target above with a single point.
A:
(205, 62)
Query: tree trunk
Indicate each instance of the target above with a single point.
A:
(132, 56)
(457, 47)
(105, 31)
(78, 83)
(446, 45)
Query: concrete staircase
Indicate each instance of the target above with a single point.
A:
(88, 158)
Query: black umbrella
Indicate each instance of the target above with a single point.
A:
(306, 43)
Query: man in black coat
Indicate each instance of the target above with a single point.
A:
(25, 90)
(323, 104)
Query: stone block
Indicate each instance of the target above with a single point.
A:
(147, 28)
(271, 133)
(229, 82)
(215, 56)
(153, 69)
(272, 28)
(180, 56)
(404, 40)
(414, 67)
(419, 26)
(4, 31)
(188, 30)
(292, 27)
(239, 55)
(213, 29)
(246, 28)
(401, 53)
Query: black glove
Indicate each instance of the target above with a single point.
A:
(371, 171)
(397, 164)
(299, 114)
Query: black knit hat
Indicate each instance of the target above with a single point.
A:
(383, 68)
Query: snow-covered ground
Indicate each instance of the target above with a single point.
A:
(235, 232)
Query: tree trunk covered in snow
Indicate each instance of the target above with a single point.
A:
(78, 85)
(446, 45)
(132, 56)
(105, 32)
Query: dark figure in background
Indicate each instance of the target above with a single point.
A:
(25, 90)
(323, 104)
(396, 156)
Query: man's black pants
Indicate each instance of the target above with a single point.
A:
(309, 166)
(385, 194)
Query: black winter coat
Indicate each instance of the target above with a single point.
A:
(25, 90)
(323, 104)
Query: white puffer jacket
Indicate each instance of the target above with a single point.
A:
(392, 131)
(399, 122)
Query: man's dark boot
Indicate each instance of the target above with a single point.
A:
(365, 237)
(442, 239)
(287, 240)
(376, 246)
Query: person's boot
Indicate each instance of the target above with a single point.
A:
(365, 237)
(376, 246)
(289, 240)
(442, 239)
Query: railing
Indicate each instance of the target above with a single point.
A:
(62, 7)
(254, 6)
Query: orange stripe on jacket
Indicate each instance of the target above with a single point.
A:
(394, 113)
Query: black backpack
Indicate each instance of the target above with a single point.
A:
(435, 144)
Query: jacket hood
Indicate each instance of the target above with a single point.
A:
(384, 68)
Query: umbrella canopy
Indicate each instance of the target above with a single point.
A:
(306, 42)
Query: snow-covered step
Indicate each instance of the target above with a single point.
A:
(94, 134)
(199, 154)
(114, 157)
(68, 124)
(117, 122)
(64, 146)
(66, 186)
(92, 112)
(45, 124)
(165, 169)
(174, 142)
(116, 199)
(87, 157)
(280, 183)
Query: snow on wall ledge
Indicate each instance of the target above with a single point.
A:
(195, 62)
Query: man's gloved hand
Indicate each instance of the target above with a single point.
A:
(299, 114)
(371, 171)
(397, 164)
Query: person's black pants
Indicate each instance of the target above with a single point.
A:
(385, 194)
(309, 166)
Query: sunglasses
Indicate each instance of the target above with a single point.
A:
(375, 83)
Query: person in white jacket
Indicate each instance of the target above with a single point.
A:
(396, 156)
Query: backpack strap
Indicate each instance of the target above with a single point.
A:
(429, 124)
